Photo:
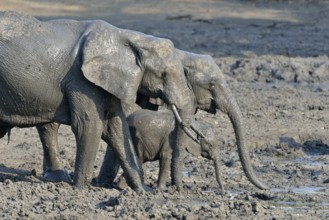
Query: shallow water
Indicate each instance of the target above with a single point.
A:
(293, 206)
(186, 173)
(311, 161)
(304, 190)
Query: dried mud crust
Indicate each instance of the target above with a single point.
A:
(275, 57)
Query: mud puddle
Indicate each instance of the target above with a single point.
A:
(302, 190)
(308, 161)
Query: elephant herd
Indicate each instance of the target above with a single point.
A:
(90, 75)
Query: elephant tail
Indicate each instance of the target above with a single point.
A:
(8, 133)
(4, 131)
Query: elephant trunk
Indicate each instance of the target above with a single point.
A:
(218, 174)
(229, 106)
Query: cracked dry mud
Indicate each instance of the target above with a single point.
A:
(275, 57)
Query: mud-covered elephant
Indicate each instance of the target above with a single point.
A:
(81, 73)
(153, 134)
(211, 93)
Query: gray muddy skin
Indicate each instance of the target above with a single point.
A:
(152, 133)
(80, 73)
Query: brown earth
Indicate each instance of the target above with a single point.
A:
(275, 57)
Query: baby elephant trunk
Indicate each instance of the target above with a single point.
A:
(218, 175)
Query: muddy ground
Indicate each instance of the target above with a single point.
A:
(275, 57)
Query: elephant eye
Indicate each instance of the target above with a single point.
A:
(212, 85)
(164, 75)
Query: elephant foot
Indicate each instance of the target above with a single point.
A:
(122, 183)
(57, 176)
(101, 183)
(178, 187)
(148, 188)
(172, 189)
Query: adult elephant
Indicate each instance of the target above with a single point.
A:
(81, 73)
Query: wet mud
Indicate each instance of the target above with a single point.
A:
(275, 57)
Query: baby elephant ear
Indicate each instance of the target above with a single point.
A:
(110, 64)
(194, 149)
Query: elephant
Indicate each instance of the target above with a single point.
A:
(152, 133)
(83, 74)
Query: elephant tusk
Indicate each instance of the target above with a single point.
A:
(177, 116)
(198, 132)
(185, 128)
(201, 135)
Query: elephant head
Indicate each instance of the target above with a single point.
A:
(208, 147)
(211, 94)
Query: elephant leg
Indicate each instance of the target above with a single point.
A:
(87, 127)
(177, 162)
(88, 134)
(164, 165)
(122, 145)
(109, 168)
(52, 168)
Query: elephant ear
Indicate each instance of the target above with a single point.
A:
(111, 63)
(194, 149)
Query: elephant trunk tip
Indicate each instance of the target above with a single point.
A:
(257, 182)
(261, 185)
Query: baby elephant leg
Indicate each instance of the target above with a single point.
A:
(164, 165)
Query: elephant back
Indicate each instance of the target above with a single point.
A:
(152, 120)
(151, 127)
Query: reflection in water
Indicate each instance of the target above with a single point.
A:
(186, 173)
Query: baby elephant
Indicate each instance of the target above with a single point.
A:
(152, 133)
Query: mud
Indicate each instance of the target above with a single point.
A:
(275, 57)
